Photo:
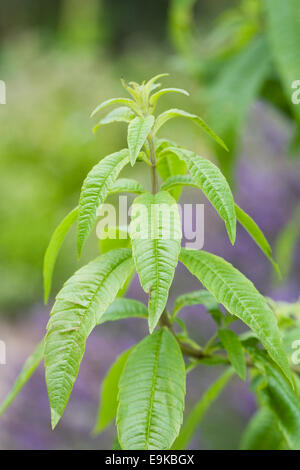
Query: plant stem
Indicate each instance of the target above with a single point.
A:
(153, 164)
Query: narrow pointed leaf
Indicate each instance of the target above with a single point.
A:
(95, 189)
(233, 346)
(169, 166)
(28, 369)
(108, 402)
(138, 131)
(125, 101)
(155, 232)
(154, 98)
(194, 418)
(177, 181)
(199, 297)
(239, 296)
(173, 113)
(151, 394)
(262, 432)
(210, 180)
(127, 185)
(78, 308)
(255, 232)
(123, 114)
(124, 308)
(53, 249)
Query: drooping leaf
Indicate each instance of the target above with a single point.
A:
(155, 232)
(124, 308)
(210, 180)
(255, 232)
(151, 394)
(28, 369)
(283, 28)
(79, 306)
(232, 93)
(95, 189)
(138, 131)
(108, 402)
(239, 296)
(262, 432)
(172, 113)
(125, 101)
(233, 346)
(195, 416)
(53, 249)
(122, 114)
(281, 398)
(154, 98)
(127, 185)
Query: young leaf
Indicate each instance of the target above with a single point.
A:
(210, 180)
(158, 94)
(53, 249)
(172, 113)
(123, 114)
(239, 296)
(138, 131)
(192, 421)
(262, 432)
(151, 394)
(28, 369)
(108, 402)
(125, 101)
(127, 185)
(255, 232)
(155, 231)
(95, 189)
(78, 308)
(124, 308)
(233, 346)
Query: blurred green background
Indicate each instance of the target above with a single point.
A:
(59, 59)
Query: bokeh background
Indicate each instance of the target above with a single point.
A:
(60, 58)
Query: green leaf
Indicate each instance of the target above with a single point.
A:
(151, 394)
(210, 180)
(108, 400)
(177, 180)
(172, 113)
(28, 369)
(95, 189)
(262, 432)
(53, 249)
(255, 232)
(195, 416)
(169, 166)
(138, 131)
(233, 346)
(79, 306)
(283, 28)
(116, 237)
(286, 243)
(232, 93)
(123, 114)
(239, 296)
(283, 401)
(125, 101)
(127, 185)
(155, 232)
(202, 297)
(158, 94)
(124, 308)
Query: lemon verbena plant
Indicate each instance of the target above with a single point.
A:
(144, 391)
